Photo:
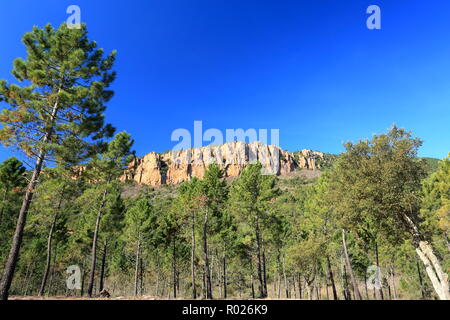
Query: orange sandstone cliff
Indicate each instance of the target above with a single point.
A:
(173, 167)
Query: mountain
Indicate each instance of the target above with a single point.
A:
(174, 167)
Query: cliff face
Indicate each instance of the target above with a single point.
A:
(178, 166)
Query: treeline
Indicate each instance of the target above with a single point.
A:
(258, 236)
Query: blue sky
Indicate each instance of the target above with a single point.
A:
(309, 68)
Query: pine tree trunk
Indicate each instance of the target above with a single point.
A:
(350, 270)
(49, 253)
(136, 269)
(285, 279)
(194, 289)
(264, 271)
(393, 282)
(259, 259)
(174, 268)
(253, 286)
(333, 285)
(13, 256)
(102, 271)
(94, 245)
(300, 291)
(224, 276)
(365, 286)
(207, 272)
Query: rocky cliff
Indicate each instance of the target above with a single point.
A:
(177, 166)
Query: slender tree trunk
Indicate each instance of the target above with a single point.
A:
(102, 271)
(264, 270)
(285, 279)
(350, 270)
(224, 275)
(136, 269)
(13, 256)
(253, 286)
(49, 252)
(141, 277)
(259, 259)
(25, 283)
(205, 254)
(333, 285)
(365, 286)
(300, 291)
(347, 294)
(294, 283)
(394, 289)
(194, 289)
(94, 245)
(52, 274)
(174, 267)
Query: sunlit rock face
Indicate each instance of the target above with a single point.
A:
(174, 167)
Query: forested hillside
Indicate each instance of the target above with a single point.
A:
(373, 225)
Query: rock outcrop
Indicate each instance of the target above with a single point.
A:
(174, 167)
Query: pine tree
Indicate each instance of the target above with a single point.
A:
(250, 197)
(105, 169)
(214, 192)
(58, 112)
(138, 220)
(189, 202)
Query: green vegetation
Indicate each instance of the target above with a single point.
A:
(377, 205)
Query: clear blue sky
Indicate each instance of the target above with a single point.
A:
(309, 68)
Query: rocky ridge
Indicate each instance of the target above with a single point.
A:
(174, 167)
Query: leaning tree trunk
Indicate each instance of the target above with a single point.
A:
(13, 256)
(438, 277)
(350, 270)
(94, 245)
